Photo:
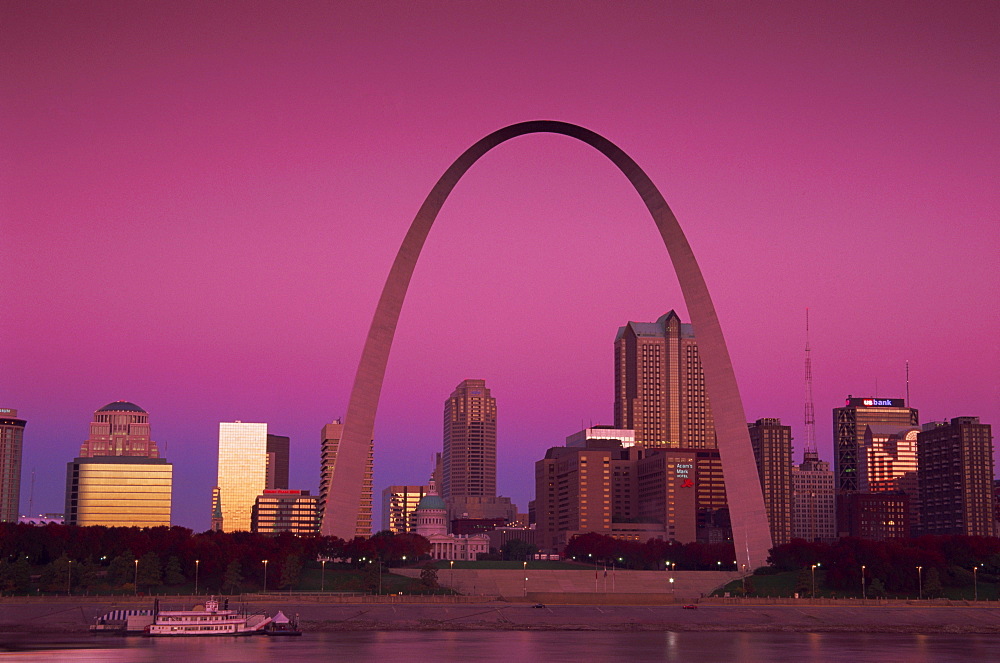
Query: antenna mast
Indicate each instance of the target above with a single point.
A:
(907, 383)
(810, 414)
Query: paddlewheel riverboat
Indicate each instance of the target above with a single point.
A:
(210, 621)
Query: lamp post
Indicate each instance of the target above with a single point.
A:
(864, 593)
(524, 566)
(451, 577)
(265, 574)
(975, 580)
(322, 575)
(814, 580)
(197, 564)
(136, 577)
(69, 576)
(920, 582)
(671, 586)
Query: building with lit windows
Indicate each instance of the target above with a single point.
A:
(469, 461)
(849, 425)
(956, 478)
(398, 505)
(329, 445)
(666, 492)
(119, 429)
(11, 443)
(469, 458)
(119, 491)
(282, 510)
(772, 450)
(874, 516)
(660, 385)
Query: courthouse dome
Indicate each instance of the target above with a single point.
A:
(431, 502)
(122, 406)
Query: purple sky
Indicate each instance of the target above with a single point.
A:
(200, 203)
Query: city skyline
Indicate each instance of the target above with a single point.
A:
(247, 191)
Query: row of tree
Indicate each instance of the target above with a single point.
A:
(943, 561)
(653, 554)
(67, 557)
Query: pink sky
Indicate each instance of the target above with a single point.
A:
(200, 203)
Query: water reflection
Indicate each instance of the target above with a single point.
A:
(505, 647)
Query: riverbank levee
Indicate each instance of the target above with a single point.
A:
(508, 583)
(35, 617)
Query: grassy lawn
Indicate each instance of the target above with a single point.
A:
(532, 564)
(783, 584)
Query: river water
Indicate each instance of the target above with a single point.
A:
(518, 646)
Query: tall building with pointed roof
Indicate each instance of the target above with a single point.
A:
(660, 385)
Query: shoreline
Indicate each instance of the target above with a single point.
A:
(22, 621)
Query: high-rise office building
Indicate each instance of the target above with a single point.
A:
(814, 512)
(119, 429)
(119, 491)
(11, 443)
(119, 479)
(242, 471)
(281, 510)
(849, 425)
(956, 478)
(470, 442)
(469, 458)
(277, 462)
(330, 443)
(398, 505)
(772, 449)
(660, 385)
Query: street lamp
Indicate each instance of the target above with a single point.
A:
(69, 576)
(671, 585)
(864, 593)
(814, 579)
(975, 580)
(137, 577)
(451, 578)
(197, 564)
(265, 574)
(322, 577)
(920, 582)
(524, 567)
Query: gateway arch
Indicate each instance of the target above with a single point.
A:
(751, 534)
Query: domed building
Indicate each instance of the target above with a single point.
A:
(431, 522)
(119, 478)
(119, 429)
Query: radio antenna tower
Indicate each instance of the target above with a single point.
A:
(810, 414)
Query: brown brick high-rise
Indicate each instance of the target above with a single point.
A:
(660, 385)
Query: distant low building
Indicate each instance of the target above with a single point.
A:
(431, 523)
(282, 510)
(874, 516)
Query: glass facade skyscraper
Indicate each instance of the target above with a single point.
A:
(119, 491)
(242, 471)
